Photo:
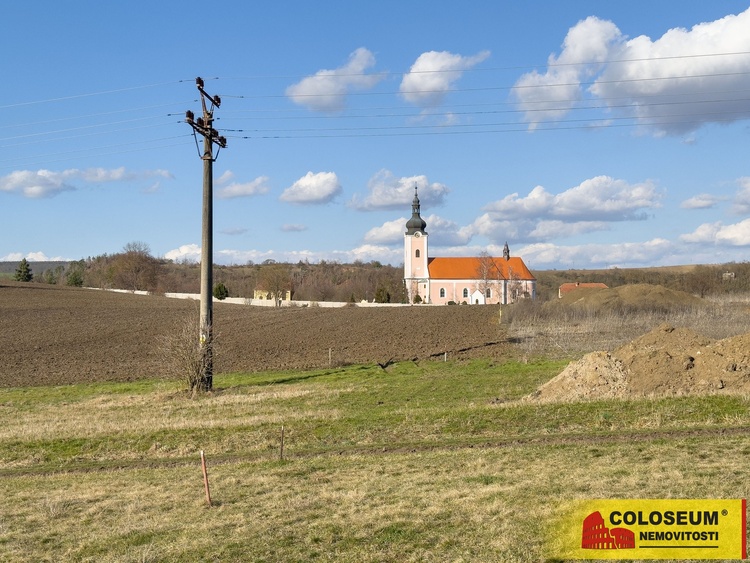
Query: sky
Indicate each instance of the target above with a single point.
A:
(585, 134)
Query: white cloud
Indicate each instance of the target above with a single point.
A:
(313, 188)
(442, 232)
(35, 185)
(548, 255)
(586, 208)
(225, 178)
(326, 90)
(12, 257)
(38, 256)
(596, 199)
(546, 230)
(390, 232)
(293, 228)
(737, 234)
(388, 192)
(370, 252)
(603, 197)
(741, 202)
(185, 253)
(236, 189)
(701, 201)
(552, 95)
(496, 229)
(644, 79)
(704, 233)
(433, 74)
(365, 253)
(47, 183)
(539, 202)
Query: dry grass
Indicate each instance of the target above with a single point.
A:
(461, 505)
(567, 333)
(431, 462)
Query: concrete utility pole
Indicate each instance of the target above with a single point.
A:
(204, 127)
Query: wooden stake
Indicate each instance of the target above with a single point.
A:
(205, 478)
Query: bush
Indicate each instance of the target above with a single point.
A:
(220, 291)
(186, 357)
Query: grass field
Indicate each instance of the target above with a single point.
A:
(428, 461)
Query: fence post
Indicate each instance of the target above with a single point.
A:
(205, 478)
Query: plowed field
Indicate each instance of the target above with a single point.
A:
(59, 335)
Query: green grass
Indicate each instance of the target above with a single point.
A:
(423, 462)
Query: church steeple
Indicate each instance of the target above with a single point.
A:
(506, 252)
(416, 223)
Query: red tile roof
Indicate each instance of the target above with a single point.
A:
(471, 268)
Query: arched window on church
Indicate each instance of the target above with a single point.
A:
(442, 292)
(417, 253)
(466, 293)
(488, 293)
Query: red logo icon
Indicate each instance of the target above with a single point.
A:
(596, 535)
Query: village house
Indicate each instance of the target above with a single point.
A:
(478, 281)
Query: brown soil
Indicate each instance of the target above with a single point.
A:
(55, 335)
(667, 361)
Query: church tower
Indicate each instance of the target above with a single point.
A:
(416, 276)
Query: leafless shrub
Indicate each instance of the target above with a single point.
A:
(186, 357)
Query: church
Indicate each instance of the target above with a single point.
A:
(482, 280)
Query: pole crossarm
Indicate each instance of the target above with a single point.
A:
(203, 126)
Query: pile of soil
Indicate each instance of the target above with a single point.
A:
(641, 296)
(57, 335)
(667, 361)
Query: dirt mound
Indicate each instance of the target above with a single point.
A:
(643, 297)
(667, 361)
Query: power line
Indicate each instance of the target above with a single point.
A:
(490, 69)
(525, 110)
(88, 94)
(704, 99)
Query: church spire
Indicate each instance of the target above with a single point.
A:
(416, 223)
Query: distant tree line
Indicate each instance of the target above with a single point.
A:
(134, 268)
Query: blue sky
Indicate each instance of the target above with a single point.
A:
(585, 134)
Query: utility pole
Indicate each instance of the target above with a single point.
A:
(204, 126)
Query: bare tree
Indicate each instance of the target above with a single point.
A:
(515, 286)
(488, 274)
(275, 280)
(134, 268)
(184, 357)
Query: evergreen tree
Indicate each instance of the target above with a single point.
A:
(23, 272)
(220, 291)
(74, 276)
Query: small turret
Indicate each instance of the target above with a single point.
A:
(506, 251)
